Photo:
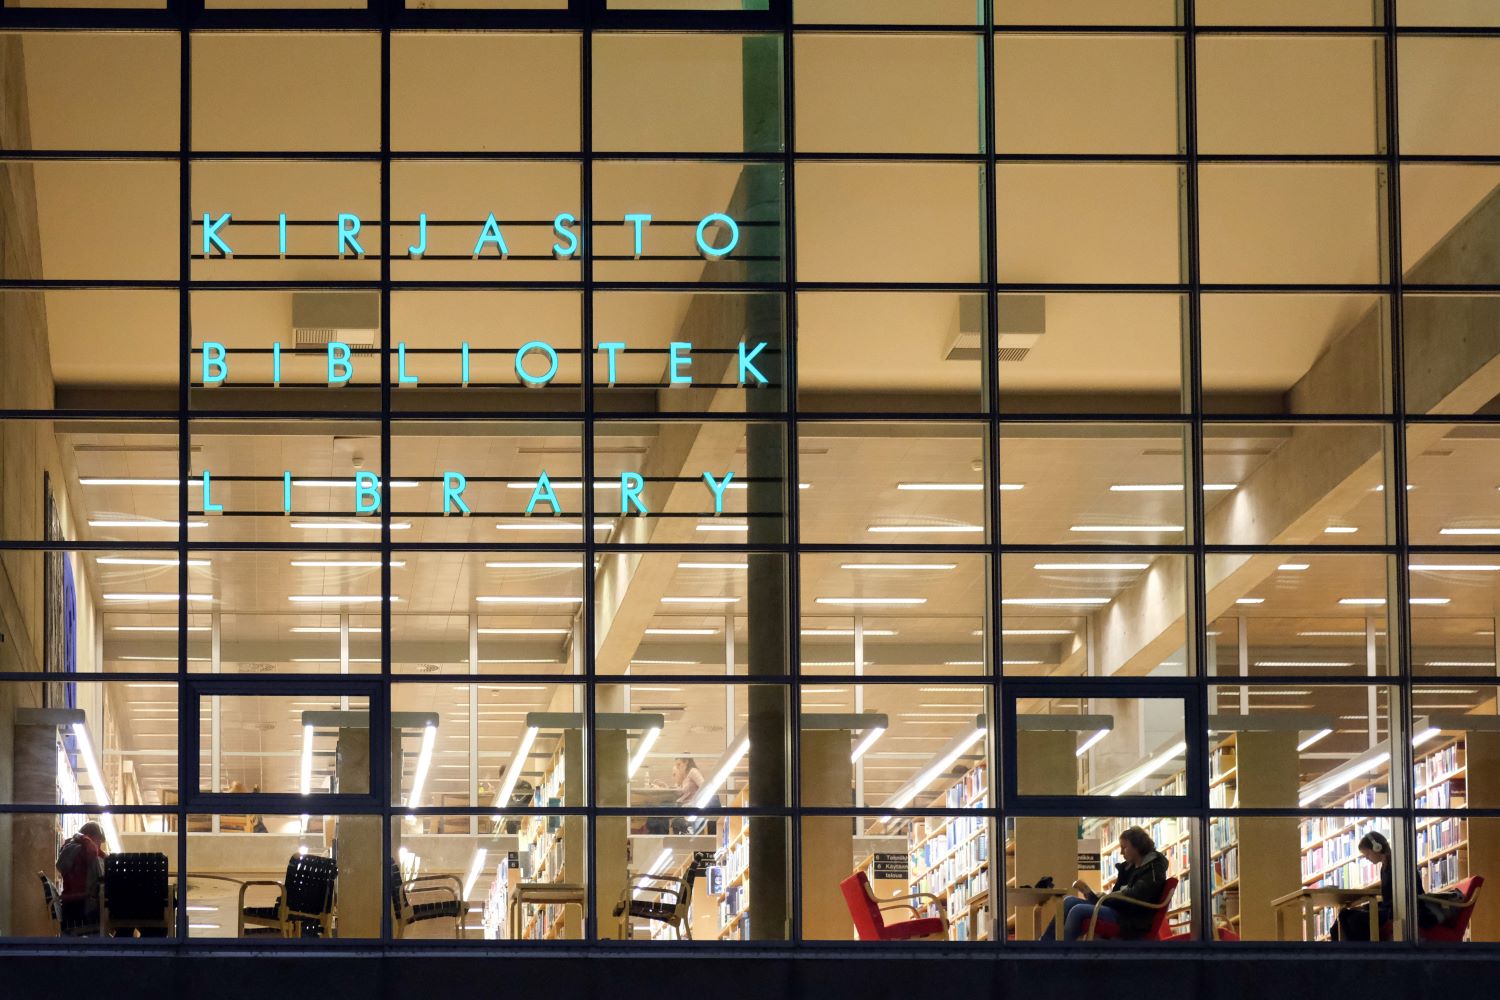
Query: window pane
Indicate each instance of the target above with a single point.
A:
(1087, 93)
(888, 93)
(1060, 752)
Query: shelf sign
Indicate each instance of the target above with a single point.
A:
(893, 865)
(716, 880)
(1088, 856)
(513, 859)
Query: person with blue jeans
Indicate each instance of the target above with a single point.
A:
(1142, 877)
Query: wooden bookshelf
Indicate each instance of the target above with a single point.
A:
(949, 856)
(733, 855)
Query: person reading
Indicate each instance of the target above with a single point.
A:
(1141, 876)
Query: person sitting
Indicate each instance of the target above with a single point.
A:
(1142, 877)
(1353, 922)
(80, 862)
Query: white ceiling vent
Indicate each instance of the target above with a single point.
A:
(1022, 321)
(321, 318)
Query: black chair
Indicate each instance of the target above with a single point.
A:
(64, 922)
(304, 905)
(664, 898)
(137, 896)
(404, 912)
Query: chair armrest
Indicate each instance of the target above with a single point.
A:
(1113, 899)
(441, 883)
(899, 901)
(1448, 902)
(246, 885)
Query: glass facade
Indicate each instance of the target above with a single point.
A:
(627, 472)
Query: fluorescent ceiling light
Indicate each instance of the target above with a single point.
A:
(723, 527)
(101, 481)
(1144, 771)
(941, 487)
(1470, 531)
(848, 631)
(475, 868)
(1456, 663)
(1303, 663)
(1315, 737)
(96, 781)
(141, 561)
(713, 565)
(1250, 600)
(1293, 567)
(864, 745)
(159, 628)
(731, 761)
(139, 523)
(871, 600)
(1434, 601)
(347, 525)
(525, 631)
(200, 598)
(527, 599)
(899, 566)
(1342, 776)
(1106, 567)
(1011, 487)
(1376, 601)
(424, 764)
(665, 663)
(335, 484)
(1088, 744)
(642, 748)
(346, 563)
(1332, 633)
(700, 600)
(334, 630)
(1137, 528)
(513, 773)
(542, 564)
(1043, 602)
(1340, 529)
(1033, 631)
(1444, 567)
(1168, 487)
(946, 760)
(337, 598)
(924, 529)
(552, 526)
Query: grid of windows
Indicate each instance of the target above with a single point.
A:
(589, 455)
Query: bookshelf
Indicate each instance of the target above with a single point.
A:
(543, 843)
(733, 855)
(950, 857)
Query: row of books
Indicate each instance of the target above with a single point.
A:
(965, 889)
(1439, 836)
(1227, 866)
(968, 855)
(1437, 766)
(1443, 872)
(732, 904)
(1342, 851)
(971, 926)
(1443, 795)
(964, 791)
(1222, 832)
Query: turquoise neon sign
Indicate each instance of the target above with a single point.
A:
(716, 236)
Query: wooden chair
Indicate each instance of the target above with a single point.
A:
(663, 898)
(1156, 932)
(304, 906)
(404, 912)
(137, 897)
(61, 921)
(869, 919)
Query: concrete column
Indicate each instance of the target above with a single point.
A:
(827, 841)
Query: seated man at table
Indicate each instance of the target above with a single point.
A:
(80, 862)
(1141, 877)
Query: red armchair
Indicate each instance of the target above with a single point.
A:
(868, 913)
(1454, 930)
(1156, 932)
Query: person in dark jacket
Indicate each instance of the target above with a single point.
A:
(80, 862)
(1142, 877)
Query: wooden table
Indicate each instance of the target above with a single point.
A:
(1039, 900)
(1310, 899)
(543, 893)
